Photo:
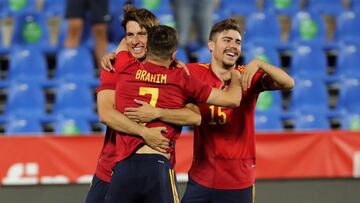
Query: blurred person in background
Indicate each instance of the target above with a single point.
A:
(76, 12)
(199, 12)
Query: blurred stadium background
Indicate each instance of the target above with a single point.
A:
(49, 91)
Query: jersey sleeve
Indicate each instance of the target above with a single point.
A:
(257, 85)
(266, 81)
(196, 90)
(108, 79)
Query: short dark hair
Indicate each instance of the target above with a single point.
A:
(144, 17)
(162, 41)
(227, 24)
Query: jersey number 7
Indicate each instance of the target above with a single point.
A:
(154, 92)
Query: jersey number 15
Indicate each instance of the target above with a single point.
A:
(221, 115)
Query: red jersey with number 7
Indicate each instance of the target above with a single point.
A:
(162, 87)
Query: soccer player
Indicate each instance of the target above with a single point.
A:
(141, 173)
(223, 168)
(135, 23)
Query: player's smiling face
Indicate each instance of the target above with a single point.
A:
(136, 39)
(227, 47)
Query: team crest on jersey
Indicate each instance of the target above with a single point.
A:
(240, 68)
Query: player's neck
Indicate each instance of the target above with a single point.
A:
(223, 73)
(159, 62)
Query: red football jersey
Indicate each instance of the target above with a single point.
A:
(224, 143)
(161, 87)
(106, 159)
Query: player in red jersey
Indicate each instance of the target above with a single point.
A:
(135, 23)
(165, 87)
(223, 168)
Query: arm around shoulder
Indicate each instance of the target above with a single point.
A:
(230, 98)
(113, 118)
(189, 115)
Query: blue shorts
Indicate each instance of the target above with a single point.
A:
(143, 178)
(97, 192)
(196, 193)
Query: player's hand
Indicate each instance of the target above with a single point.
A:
(143, 114)
(106, 62)
(153, 138)
(248, 74)
(181, 64)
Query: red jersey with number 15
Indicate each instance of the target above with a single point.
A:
(224, 143)
(162, 87)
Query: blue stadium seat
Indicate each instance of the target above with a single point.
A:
(55, 7)
(166, 18)
(221, 14)
(311, 121)
(17, 7)
(267, 122)
(154, 5)
(75, 65)
(348, 26)
(258, 29)
(354, 5)
(351, 122)
(269, 102)
(3, 85)
(281, 7)
(72, 125)
(203, 55)
(116, 7)
(31, 29)
(27, 65)
(112, 47)
(325, 7)
(73, 99)
(348, 101)
(348, 60)
(303, 63)
(115, 30)
(87, 38)
(308, 28)
(182, 55)
(62, 32)
(309, 96)
(239, 7)
(263, 51)
(25, 99)
(25, 125)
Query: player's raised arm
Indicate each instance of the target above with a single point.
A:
(231, 97)
(280, 80)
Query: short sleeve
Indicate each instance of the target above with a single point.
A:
(195, 89)
(266, 81)
(257, 83)
(122, 59)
